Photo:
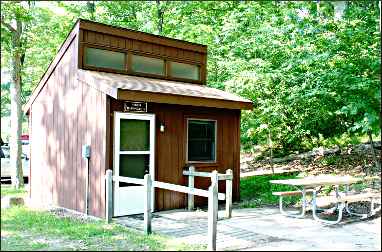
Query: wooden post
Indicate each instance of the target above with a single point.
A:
(190, 196)
(212, 211)
(109, 195)
(147, 205)
(228, 195)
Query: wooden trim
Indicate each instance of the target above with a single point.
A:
(142, 36)
(103, 47)
(64, 47)
(143, 53)
(30, 155)
(167, 61)
(129, 60)
(181, 100)
(103, 69)
(117, 151)
(80, 49)
(129, 56)
(216, 135)
(107, 132)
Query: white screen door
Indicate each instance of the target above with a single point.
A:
(134, 136)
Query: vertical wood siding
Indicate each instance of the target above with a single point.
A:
(170, 149)
(106, 40)
(62, 116)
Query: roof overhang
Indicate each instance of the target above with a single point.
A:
(133, 88)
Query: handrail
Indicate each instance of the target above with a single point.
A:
(185, 189)
(207, 174)
(149, 184)
(129, 180)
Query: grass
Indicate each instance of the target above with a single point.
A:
(26, 229)
(8, 190)
(256, 191)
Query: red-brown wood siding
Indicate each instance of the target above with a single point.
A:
(65, 114)
(148, 48)
(170, 152)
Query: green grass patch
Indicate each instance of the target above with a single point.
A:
(8, 190)
(256, 191)
(25, 229)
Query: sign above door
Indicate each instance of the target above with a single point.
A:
(133, 106)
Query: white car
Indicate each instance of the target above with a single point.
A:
(5, 162)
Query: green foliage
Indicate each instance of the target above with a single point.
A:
(312, 78)
(257, 191)
(11, 191)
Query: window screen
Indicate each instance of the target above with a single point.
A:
(104, 58)
(184, 71)
(201, 140)
(148, 65)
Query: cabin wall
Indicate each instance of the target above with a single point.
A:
(170, 149)
(65, 115)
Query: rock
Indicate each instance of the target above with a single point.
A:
(9, 201)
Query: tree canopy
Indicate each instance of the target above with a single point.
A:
(311, 72)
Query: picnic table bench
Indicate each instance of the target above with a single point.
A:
(341, 200)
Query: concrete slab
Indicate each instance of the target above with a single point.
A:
(264, 229)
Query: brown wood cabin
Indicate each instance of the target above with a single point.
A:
(141, 103)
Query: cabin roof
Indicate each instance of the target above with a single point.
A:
(127, 87)
(153, 90)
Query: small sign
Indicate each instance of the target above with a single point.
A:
(131, 106)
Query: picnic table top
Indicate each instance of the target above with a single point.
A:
(322, 180)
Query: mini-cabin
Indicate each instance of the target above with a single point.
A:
(133, 102)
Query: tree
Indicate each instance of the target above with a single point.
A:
(14, 22)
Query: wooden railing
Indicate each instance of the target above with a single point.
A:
(212, 194)
(191, 173)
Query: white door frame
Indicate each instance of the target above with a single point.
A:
(117, 189)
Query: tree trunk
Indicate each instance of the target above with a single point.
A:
(271, 150)
(160, 12)
(15, 93)
(377, 164)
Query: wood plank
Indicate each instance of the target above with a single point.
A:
(127, 33)
(185, 189)
(290, 193)
(147, 204)
(109, 195)
(180, 100)
(236, 168)
(92, 127)
(212, 213)
(129, 180)
(98, 140)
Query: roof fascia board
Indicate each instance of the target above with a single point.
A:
(146, 96)
(99, 85)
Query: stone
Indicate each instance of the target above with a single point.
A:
(9, 201)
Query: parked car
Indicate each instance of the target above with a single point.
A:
(6, 171)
